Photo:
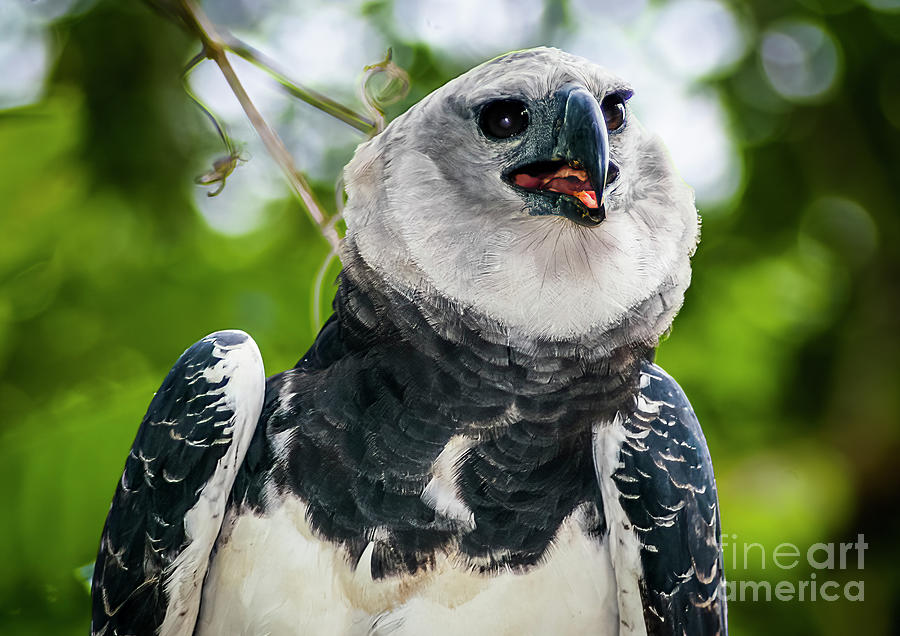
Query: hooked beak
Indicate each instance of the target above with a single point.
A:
(574, 172)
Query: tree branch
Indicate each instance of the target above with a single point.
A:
(308, 95)
(215, 49)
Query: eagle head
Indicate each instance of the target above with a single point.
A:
(526, 191)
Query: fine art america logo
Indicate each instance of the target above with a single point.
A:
(822, 558)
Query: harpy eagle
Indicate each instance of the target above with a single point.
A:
(478, 441)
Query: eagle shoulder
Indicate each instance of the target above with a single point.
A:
(661, 504)
(168, 506)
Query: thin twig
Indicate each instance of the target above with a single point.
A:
(318, 282)
(216, 50)
(304, 93)
(220, 129)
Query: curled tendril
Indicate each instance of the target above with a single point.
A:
(221, 170)
(383, 84)
(224, 165)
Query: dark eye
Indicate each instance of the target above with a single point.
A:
(613, 107)
(503, 118)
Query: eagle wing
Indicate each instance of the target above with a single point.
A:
(168, 507)
(661, 507)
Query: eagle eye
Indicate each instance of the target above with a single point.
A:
(613, 107)
(503, 118)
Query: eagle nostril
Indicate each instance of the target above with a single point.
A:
(612, 173)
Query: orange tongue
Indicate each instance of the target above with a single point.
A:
(588, 197)
(571, 181)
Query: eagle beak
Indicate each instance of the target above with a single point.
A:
(567, 177)
(583, 143)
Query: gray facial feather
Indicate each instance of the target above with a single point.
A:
(429, 211)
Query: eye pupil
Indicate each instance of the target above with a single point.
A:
(613, 107)
(503, 118)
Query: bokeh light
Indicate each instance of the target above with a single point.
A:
(844, 227)
(251, 188)
(24, 55)
(698, 37)
(611, 11)
(884, 5)
(801, 59)
(470, 29)
(325, 46)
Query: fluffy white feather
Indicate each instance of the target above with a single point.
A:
(429, 210)
(272, 575)
(624, 544)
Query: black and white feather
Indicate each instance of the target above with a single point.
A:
(478, 441)
(169, 504)
(662, 509)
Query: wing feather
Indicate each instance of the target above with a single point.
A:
(168, 507)
(660, 500)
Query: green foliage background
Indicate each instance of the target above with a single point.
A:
(787, 344)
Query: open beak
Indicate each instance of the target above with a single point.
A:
(575, 172)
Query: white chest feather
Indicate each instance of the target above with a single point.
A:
(273, 576)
